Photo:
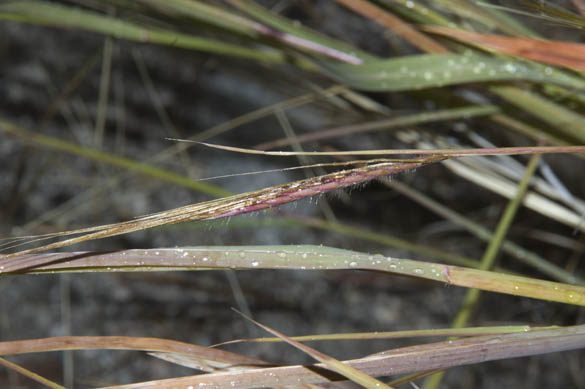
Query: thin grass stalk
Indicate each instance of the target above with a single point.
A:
(104, 92)
(528, 257)
(71, 86)
(346, 370)
(472, 296)
(30, 374)
(386, 124)
(459, 332)
(111, 159)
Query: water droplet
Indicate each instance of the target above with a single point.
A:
(281, 254)
(548, 71)
(242, 254)
(510, 68)
(304, 255)
(393, 267)
(204, 259)
(353, 264)
(410, 4)
(418, 271)
(516, 287)
(428, 76)
(254, 264)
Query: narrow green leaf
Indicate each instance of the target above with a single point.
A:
(288, 257)
(295, 29)
(437, 70)
(69, 17)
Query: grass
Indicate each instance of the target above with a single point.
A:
(458, 90)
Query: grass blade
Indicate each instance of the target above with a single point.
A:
(470, 331)
(438, 70)
(332, 363)
(567, 54)
(68, 17)
(395, 24)
(431, 356)
(289, 257)
(209, 359)
(27, 373)
(242, 203)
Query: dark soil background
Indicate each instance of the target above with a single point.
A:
(45, 191)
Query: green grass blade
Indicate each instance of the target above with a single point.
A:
(32, 375)
(437, 70)
(469, 331)
(206, 13)
(291, 258)
(69, 17)
(563, 122)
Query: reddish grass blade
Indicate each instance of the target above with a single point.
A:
(395, 24)
(208, 359)
(569, 55)
(431, 356)
(242, 203)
